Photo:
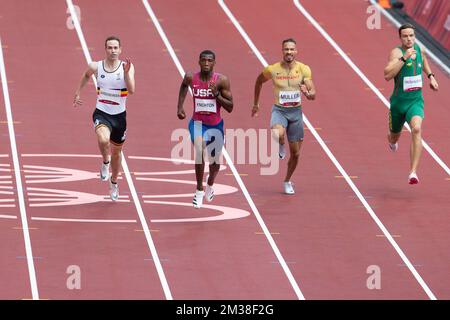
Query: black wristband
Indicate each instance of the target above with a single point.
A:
(431, 74)
(402, 59)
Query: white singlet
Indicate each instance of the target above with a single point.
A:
(112, 90)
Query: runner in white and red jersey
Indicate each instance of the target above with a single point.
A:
(115, 81)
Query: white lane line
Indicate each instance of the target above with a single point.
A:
(230, 163)
(7, 216)
(378, 93)
(347, 178)
(20, 194)
(335, 162)
(184, 161)
(363, 77)
(397, 24)
(39, 155)
(137, 203)
(82, 220)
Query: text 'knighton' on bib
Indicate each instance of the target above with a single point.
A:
(205, 105)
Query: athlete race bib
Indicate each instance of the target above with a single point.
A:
(290, 98)
(412, 83)
(110, 96)
(205, 105)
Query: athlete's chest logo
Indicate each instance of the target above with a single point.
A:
(201, 92)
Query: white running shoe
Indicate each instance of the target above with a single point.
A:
(288, 187)
(209, 191)
(282, 151)
(393, 146)
(113, 190)
(413, 179)
(104, 171)
(198, 199)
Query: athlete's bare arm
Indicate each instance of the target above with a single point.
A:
(258, 86)
(185, 84)
(426, 67)
(222, 91)
(128, 70)
(308, 89)
(395, 64)
(92, 69)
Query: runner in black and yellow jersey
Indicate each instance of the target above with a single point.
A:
(290, 79)
(405, 66)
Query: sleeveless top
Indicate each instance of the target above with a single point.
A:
(111, 89)
(409, 81)
(206, 107)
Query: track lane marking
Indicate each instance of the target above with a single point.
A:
(229, 161)
(148, 237)
(353, 186)
(333, 158)
(20, 192)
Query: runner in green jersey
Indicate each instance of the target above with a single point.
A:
(405, 66)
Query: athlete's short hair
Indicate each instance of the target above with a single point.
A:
(112, 38)
(207, 52)
(405, 26)
(288, 40)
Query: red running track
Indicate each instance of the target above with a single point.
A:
(418, 216)
(324, 233)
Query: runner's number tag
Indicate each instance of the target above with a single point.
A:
(205, 105)
(412, 83)
(290, 98)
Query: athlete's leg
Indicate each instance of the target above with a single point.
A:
(295, 134)
(213, 171)
(279, 133)
(216, 139)
(278, 124)
(199, 171)
(116, 160)
(214, 152)
(294, 148)
(393, 137)
(199, 146)
(397, 118)
(103, 135)
(199, 161)
(196, 130)
(416, 144)
(214, 164)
